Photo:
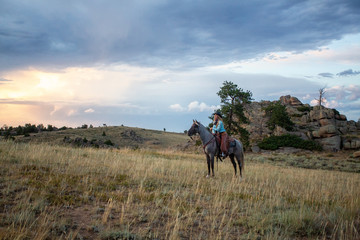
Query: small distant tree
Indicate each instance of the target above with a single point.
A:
(103, 134)
(41, 127)
(84, 126)
(28, 128)
(91, 126)
(50, 128)
(19, 130)
(164, 129)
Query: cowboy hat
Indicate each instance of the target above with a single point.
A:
(218, 113)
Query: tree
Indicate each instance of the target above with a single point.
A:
(321, 98)
(50, 127)
(278, 116)
(233, 99)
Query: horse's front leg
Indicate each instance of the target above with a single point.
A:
(212, 164)
(208, 164)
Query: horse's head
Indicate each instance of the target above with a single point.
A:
(194, 128)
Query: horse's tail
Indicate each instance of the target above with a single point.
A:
(242, 159)
(242, 156)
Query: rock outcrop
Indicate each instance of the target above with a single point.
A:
(324, 125)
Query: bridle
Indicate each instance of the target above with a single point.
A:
(204, 145)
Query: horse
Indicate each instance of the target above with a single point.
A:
(211, 148)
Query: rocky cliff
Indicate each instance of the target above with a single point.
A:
(324, 125)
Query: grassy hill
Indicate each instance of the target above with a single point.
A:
(120, 136)
(60, 192)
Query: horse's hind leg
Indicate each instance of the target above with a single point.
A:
(233, 162)
(240, 160)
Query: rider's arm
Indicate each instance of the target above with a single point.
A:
(216, 128)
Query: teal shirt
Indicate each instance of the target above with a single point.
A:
(219, 128)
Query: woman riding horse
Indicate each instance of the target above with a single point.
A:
(218, 129)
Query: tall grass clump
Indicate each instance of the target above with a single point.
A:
(55, 192)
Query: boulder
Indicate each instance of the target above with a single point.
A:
(327, 131)
(351, 125)
(278, 131)
(301, 135)
(351, 143)
(305, 119)
(356, 154)
(347, 145)
(315, 134)
(330, 143)
(342, 117)
(355, 144)
(343, 130)
(325, 122)
(320, 112)
(255, 149)
(289, 100)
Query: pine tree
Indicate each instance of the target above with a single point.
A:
(233, 99)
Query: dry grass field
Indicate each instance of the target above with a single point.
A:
(61, 192)
(121, 136)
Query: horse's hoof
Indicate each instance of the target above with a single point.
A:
(207, 176)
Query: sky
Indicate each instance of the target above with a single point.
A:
(159, 63)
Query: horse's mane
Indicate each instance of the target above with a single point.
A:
(200, 124)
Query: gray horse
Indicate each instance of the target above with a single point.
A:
(211, 149)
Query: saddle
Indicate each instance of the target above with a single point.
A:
(230, 141)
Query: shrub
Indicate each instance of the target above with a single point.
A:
(304, 108)
(287, 140)
(109, 142)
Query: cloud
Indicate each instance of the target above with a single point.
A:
(166, 33)
(345, 93)
(326, 75)
(348, 72)
(89, 110)
(177, 107)
(194, 106)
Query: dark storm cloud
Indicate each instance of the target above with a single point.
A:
(165, 33)
(326, 75)
(3, 80)
(348, 72)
